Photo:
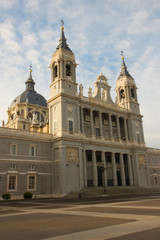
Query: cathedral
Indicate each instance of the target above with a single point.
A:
(72, 142)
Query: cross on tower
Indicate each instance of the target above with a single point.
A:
(62, 22)
(30, 68)
(122, 54)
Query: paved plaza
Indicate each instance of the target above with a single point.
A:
(134, 219)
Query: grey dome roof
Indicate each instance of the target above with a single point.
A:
(30, 95)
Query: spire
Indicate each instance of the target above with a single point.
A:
(30, 82)
(124, 71)
(63, 41)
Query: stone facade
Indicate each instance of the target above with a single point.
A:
(89, 141)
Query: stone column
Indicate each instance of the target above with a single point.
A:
(100, 124)
(130, 170)
(52, 74)
(92, 124)
(105, 170)
(114, 169)
(110, 126)
(58, 69)
(94, 162)
(50, 119)
(81, 167)
(78, 118)
(61, 70)
(62, 169)
(125, 129)
(118, 128)
(142, 133)
(64, 69)
(74, 72)
(136, 169)
(127, 93)
(84, 168)
(123, 179)
(82, 120)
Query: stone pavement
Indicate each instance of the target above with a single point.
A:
(132, 220)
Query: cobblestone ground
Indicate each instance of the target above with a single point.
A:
(49, 220)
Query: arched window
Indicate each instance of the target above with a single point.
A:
(55, 71)
(132, 93)
(42, 118)
(68, 70)
(22, 112)
(122, 94)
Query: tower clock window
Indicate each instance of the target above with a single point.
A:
(68, 70)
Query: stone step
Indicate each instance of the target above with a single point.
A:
(110, 191)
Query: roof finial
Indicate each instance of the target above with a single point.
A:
(62, 28)
(122, 55)
(30, 68)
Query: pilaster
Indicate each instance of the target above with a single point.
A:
(95, 179)
(114, 169)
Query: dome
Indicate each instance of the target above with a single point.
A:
(30, 95)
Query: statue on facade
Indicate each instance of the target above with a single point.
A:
(90, 92)
(80, 90)
(34, 119)
(103, 94)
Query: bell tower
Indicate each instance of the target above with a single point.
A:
(63, 69)
(126, 90)
(127, 98)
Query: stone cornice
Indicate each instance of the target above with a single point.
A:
(26, 135)
(132, 146)
(86, 103)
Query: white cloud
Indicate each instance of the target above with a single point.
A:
(7, 4)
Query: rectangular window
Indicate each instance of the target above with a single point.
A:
(138, 138)
(70, 126)
(31, 182)
(13, 149)
(32, 151)
(12, 182)
(97, 132)
(24, 127)
(32, 167)
(13, 166)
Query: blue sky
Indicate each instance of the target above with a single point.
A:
(96, 31)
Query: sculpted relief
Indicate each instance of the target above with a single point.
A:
(141, 160)
(72, 154)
